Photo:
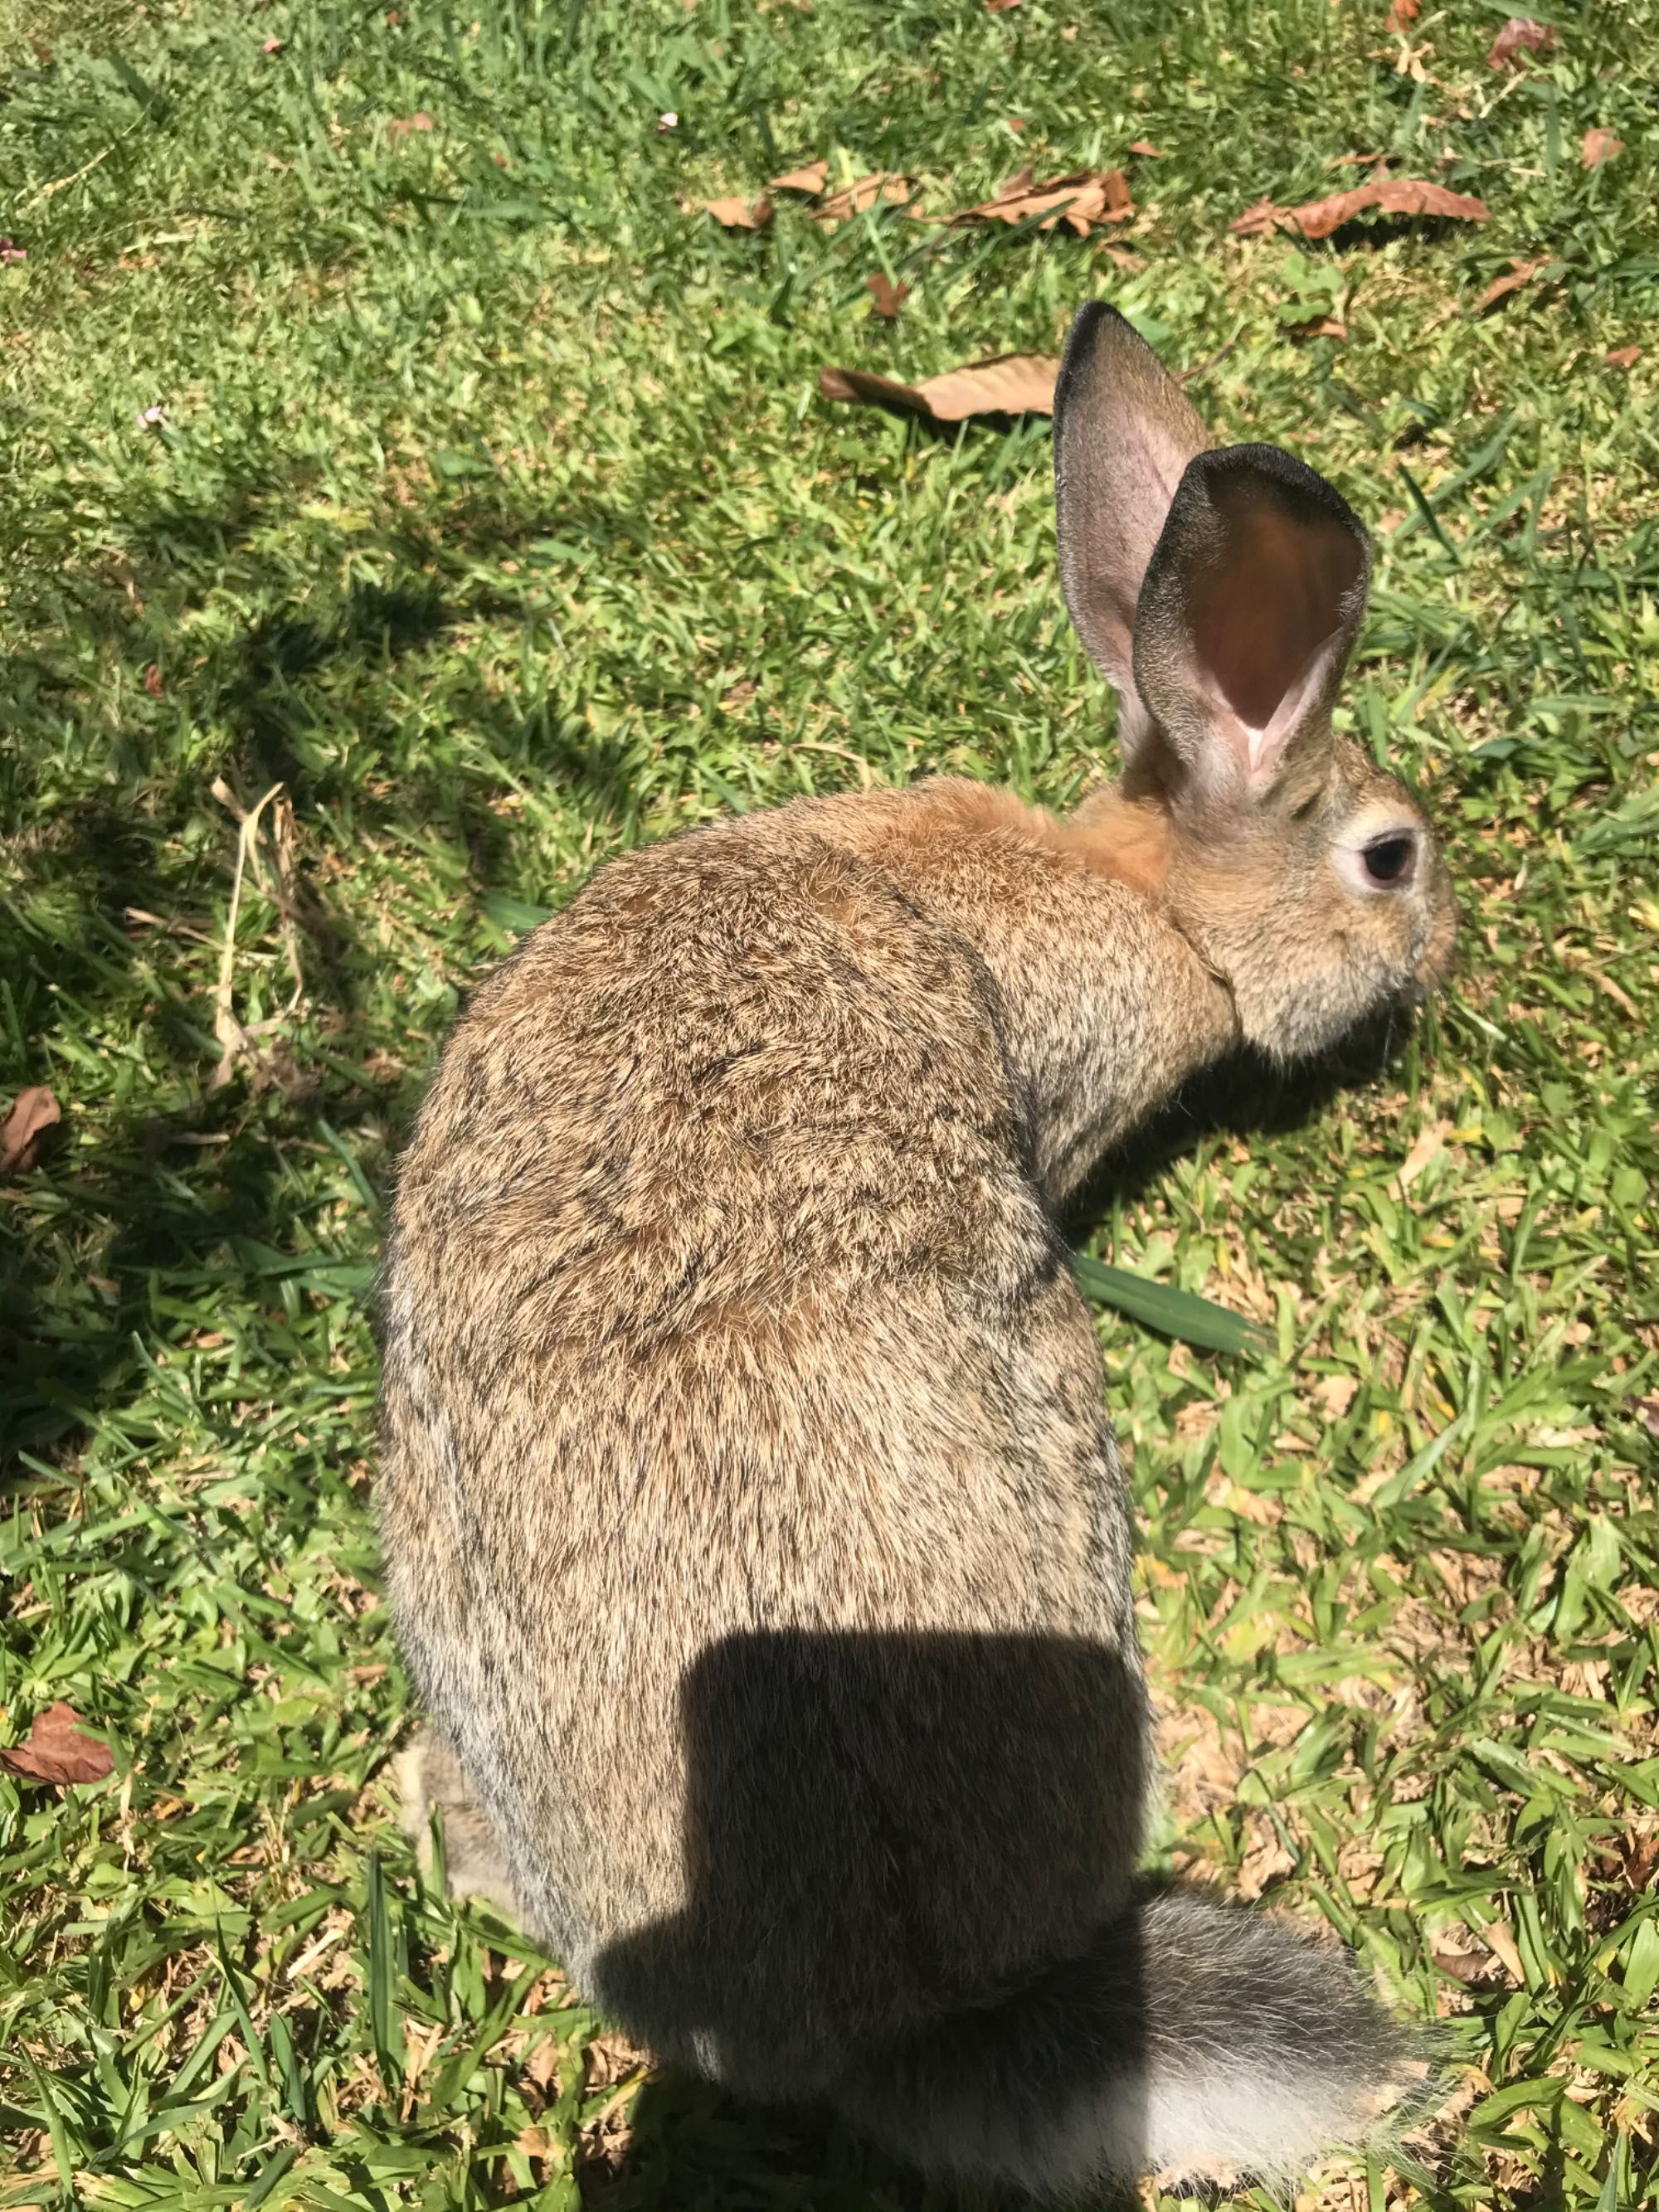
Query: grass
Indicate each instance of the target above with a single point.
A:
(492, 513)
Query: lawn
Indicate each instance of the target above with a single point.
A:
(409, 497)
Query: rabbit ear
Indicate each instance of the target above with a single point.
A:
(1123, 433)
(1248, 608)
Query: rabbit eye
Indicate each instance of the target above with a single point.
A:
(1388, 861)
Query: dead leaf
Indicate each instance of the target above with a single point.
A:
(32, 1113)
(889, 297)
(1009, 384)
(1401, 13)
(1387, 195)
(1469, 1967)
(1428, 1145)
(1639, 1857)
(401, 125)
(1265, 1862)
(1522, 34)
(1146, 146)
(740, 214)
(809, 179)
(58, 1749)
(1623, 356)
(1083, 197)
(1521, 272)
(1598, 145)
(1335, 1393)
(854, 199)
(542, 2066)
(1499, 1941)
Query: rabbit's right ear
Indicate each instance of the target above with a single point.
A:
(1124, 433)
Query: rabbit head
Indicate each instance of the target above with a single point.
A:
(1219, 591)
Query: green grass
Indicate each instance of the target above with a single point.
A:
(494, 515)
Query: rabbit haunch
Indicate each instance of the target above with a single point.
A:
(754, 1523)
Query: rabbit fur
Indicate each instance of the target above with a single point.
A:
(753, 1524)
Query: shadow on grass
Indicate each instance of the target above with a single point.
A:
(1243, 1097)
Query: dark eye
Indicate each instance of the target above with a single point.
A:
(1390, 859)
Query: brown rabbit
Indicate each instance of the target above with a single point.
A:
(755, 1527)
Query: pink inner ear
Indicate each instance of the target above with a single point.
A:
(1260, 611)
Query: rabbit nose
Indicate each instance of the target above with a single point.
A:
(1435, 965)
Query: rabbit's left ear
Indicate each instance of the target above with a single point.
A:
(1248, 610)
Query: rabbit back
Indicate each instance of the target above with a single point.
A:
(730, 1347)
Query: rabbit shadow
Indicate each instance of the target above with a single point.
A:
(1245, 1096)
(910, 1819)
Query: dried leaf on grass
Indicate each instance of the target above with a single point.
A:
(32, 1113)
(1521, 34)
(1598, 145)
(854, 199)
(1472, 1968)
(1009, 384)
(1426, 1147)
(809, 179)
(740, 214)
(58, 1749)
(1520, 273)
(887, 296)
(238, 1042)
(1083, 197)
(1387, 195)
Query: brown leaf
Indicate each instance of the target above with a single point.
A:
(854, 199)
(1521, 34)
(1598, 145)
(1085, 196)
(1146, 146)
(1010, 384)
(1639, 1858)
(1387, 195)
(1499, 1941)
(1521, 272)
(809, 179)
(1401, 13)
(740, 214)
(32, 1112)
(1466, 1966)
(58, 1749)
(889, 297)
(401, 125)
(1426, 1147)
(1624, 357)
(1336, 1393)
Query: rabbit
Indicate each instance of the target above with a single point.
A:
(754, 1525)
